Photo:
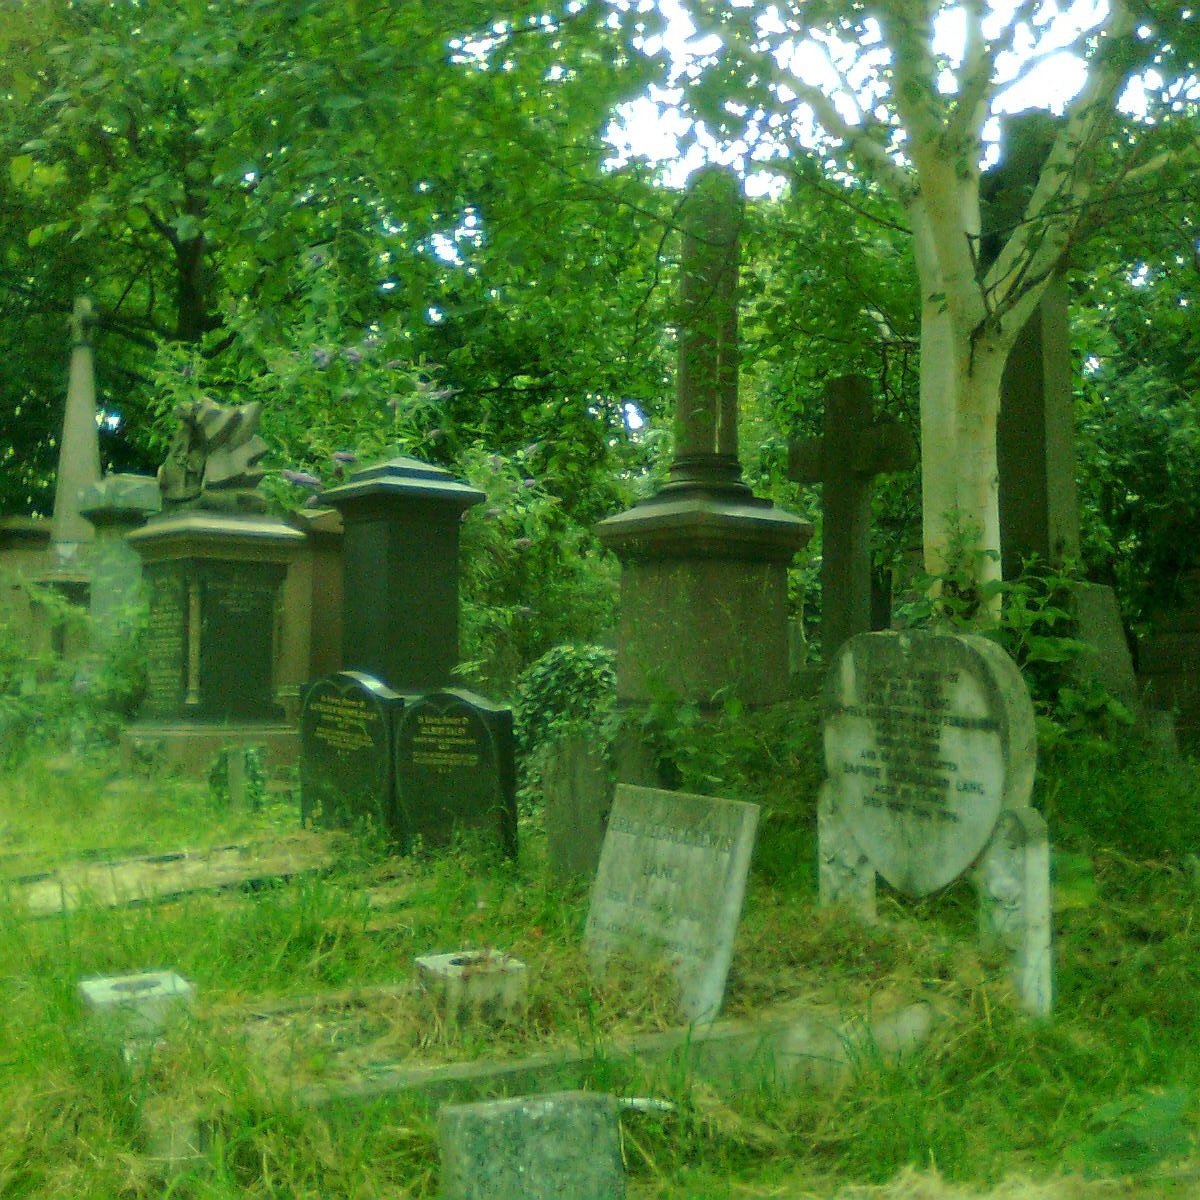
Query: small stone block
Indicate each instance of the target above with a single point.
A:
(474, 985)
(565, 1144)
(139, 1005)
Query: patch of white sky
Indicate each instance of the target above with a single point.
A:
(1039, 70)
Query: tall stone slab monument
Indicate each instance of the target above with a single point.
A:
(386, 740)
(79, 449)
(855, 447)
(1035, 431)
(704, 562)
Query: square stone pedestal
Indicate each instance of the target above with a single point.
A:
(703, 597)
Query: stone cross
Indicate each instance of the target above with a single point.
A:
(854, 448)
(79, 449)
(706, 389)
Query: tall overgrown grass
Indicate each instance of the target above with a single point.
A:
(1108, 1089)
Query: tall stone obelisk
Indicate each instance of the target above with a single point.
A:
(79, 446)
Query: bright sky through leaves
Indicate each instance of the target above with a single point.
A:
(653, 126)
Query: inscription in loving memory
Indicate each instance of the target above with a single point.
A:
(344, 722)
(904, 767)
(444, 741)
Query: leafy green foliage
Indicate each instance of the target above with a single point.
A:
(70, 700)
(533, 578)
(569, 689)
(1036, 626)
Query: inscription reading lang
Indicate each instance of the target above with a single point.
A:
(904, 769)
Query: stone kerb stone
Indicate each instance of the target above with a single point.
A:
(669, 887)
(552, 1147)
(927, 737)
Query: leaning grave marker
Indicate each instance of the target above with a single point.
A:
(670, 884)
(930, 750)
(455, 769)
(346, 737)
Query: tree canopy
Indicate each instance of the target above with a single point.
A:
(405, 225)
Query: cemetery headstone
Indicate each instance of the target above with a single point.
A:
(455, 770)
(216, 571)
(577, 794)
(346, 766)
(564, 1144)
(211, 632)
(669, 888)
(930, 752)
(854, 448)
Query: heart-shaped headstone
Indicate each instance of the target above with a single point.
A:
(927, 737)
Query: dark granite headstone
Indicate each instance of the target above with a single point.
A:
(237, 637)
(454, 770)
(346, 731)
(211, 640)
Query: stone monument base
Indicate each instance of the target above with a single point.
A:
(703, 597)
(190, 749)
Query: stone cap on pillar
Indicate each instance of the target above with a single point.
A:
(403, 478)
(120, 499)
(215, 535)
(711, 527)
(24, 532)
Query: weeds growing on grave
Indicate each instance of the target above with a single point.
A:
(1109, 1088)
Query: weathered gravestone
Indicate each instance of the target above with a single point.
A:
(346, 767)
(562, 1146)
(669, 887)
(930, 751)
(854, 447)
(577, 793)
(211, 628)
(455, 770)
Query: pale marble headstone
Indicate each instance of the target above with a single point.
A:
(927, 737)
(669, 887)
(930, 752)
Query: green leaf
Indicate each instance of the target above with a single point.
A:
(20, 169)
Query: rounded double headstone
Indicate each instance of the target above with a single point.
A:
(928, 737)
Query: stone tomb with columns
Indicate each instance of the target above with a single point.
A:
(214, 584)
(930, 751)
